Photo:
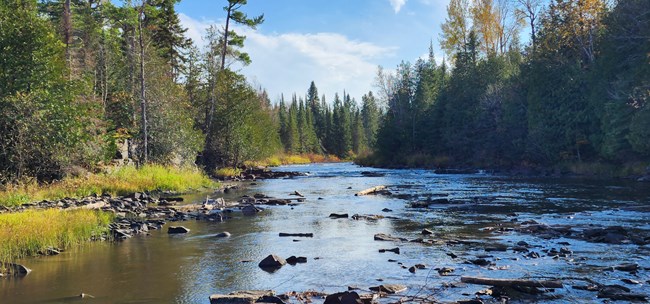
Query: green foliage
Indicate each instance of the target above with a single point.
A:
(167, 34)
(244, 130)
(43, 129)
(579, 95)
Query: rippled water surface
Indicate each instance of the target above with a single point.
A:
(163, 268)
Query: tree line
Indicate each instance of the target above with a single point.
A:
(311, 125)
(79, 77)
(577, 92)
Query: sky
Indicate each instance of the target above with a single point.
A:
(338, 44)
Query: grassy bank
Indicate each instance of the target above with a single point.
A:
(295, 159)
(116, 181)
(28, 233)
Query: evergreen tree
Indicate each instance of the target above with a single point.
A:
(370, 116)
(167, 34)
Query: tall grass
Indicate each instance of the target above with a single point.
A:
(295, 159)
(227, 172)
(28, 233)
(116, 181)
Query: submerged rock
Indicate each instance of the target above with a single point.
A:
(250, 210)
(14, 269)
(395, 250)
(388, 237)
(389, 288)
(177, 230)
(224, 234)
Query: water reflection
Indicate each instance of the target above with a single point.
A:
(188, 268)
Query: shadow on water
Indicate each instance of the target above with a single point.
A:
(188, 268)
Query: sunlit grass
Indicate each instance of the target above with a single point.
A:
(295, 159)
(116, 181)
(227, 172)
(28, 233)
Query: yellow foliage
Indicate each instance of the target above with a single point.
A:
(227, 172)
(30, 232)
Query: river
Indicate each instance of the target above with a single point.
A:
(162, 268)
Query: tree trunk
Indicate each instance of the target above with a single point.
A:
(67, 34)
(143, 100)
(225, 38)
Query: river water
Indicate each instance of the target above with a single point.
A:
(163, 268)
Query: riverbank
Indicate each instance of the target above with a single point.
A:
(116, 181)
(258, 168)
(61, 219)
(46, 232)
(297, 159)
(636, 170)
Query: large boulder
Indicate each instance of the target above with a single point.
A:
(241, 297)
(272, 262)
(346, 297)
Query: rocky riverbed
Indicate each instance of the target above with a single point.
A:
(424, 236)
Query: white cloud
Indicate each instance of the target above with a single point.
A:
(397, 4)
(288, 62)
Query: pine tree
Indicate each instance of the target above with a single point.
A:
(167, 34)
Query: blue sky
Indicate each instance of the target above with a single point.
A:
(336, 43)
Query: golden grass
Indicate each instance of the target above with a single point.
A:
(295, 159)
(116, 181)
(30, 232)
(227, 172)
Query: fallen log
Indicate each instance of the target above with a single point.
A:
(282, 234)
(512, 282)
(370, 190)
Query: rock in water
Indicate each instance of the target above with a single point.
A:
(177, 230)
(250, 210)
(395, 250)
(293, 260)
(346, 297)
(241, 297)
(389, 288)
(272, 262)
(387, 237)
(224, 234)
(427, 231)
(627, 267)
(15, 269)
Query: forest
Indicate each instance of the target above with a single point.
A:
(79, 78)
(576, 93)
